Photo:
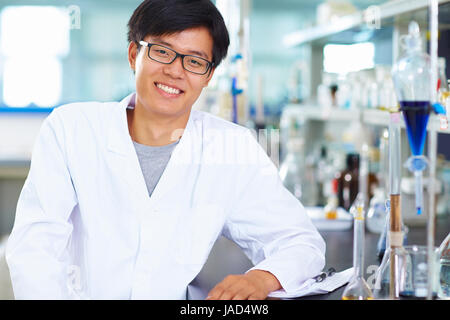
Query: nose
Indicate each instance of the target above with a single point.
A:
(175, 69)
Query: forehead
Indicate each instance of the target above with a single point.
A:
(196, 41)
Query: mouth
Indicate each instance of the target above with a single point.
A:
(168, 90)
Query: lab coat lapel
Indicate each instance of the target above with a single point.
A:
(182, 167)
(123, 156)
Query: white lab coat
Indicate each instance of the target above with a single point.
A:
(86, 227)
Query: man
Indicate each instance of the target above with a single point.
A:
(125, 200)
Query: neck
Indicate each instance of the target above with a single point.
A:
(155, 130)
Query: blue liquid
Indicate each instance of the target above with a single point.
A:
(416, 114)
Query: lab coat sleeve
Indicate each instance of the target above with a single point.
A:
(36, 251)
(271, 225)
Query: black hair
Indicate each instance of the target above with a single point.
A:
(165, 17)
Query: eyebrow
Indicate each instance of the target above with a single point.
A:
(193, 52)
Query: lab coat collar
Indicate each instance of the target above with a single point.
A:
(120, 143)
(119, 139)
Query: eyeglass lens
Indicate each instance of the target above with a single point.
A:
(190, 63)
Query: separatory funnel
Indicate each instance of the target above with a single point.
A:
(412, 81)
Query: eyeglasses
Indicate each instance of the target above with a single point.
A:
(166, 55)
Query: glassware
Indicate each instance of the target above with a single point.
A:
(292, 167)
(348, 184)
(388, 276)
(376, 216)
(444, 269)
(412, 80)
(322, 175)
(331, 208)
(310, 196)
(357, 288)
(415, 273)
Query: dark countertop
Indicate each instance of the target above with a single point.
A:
(226, 258)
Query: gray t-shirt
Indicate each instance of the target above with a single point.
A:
(153, 161)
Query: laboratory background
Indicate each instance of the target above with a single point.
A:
(349, 98)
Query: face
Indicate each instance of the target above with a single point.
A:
(155, 81)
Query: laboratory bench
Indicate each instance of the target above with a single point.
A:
(226, 258)
(339, 252)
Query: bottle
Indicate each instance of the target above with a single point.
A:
(348, 182)
(357, 288)
(292, 167)
(444, 269)
(330, 209)
(309, 181)
(322, 175)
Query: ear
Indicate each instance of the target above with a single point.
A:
(132, 54)
(208, 79)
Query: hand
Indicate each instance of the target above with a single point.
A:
(254, 285)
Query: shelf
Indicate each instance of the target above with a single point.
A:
(316, 112)
(381, 118)
(387, 10)
(367, 116)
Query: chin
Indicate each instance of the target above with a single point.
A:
(171, 111)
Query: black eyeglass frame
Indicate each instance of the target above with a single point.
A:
(149, 45)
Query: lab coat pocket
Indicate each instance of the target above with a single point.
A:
(196, 233)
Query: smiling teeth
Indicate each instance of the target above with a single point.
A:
(168, 89)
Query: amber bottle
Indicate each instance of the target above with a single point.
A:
(348, 181)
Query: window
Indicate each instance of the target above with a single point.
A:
(33, 40)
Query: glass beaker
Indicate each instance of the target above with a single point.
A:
(416, 272)
(408, 268)
(444, 269)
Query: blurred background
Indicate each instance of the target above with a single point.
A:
(311, 77)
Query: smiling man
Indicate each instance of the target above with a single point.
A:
(124, 200)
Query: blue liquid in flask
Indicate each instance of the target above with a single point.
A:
(416, 114)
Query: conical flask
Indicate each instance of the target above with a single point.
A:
(391, 277)
(357, 288)
(391, 281)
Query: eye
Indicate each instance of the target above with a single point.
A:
(196, 62)
(161, 52)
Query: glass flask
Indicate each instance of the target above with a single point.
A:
(383, 243)
(357, 288)
(444, 269)
(390, 276)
